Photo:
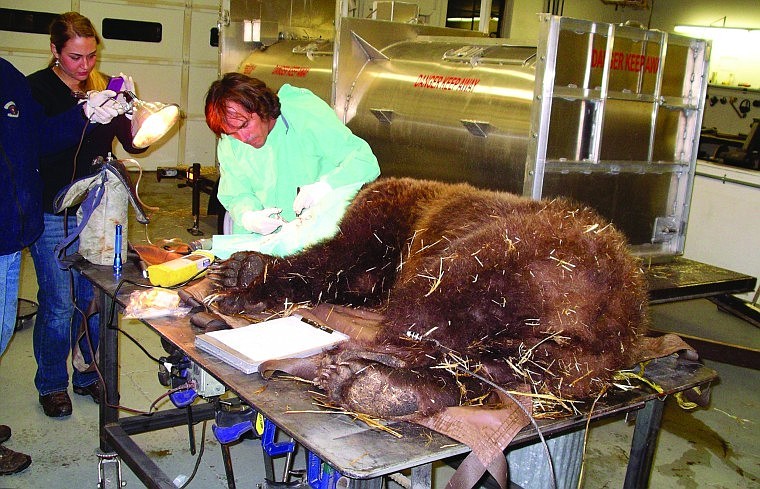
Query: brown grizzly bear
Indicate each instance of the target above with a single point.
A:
(520, 291)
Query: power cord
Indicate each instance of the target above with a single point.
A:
(111, 314)
(198, 459)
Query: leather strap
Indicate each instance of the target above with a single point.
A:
(304, 368)
(471, 470)
(487, 432)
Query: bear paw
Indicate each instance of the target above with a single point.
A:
(241, 270)
(376, 389)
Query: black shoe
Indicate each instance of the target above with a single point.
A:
(57, 404)
(12, 462)
(5, 433)
(92, 390)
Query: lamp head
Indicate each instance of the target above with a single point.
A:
(151, 121)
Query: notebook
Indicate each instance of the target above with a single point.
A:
(290, 337)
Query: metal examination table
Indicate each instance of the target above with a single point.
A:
(350, 447)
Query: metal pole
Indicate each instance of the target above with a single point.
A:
(485, 16)
(644, 443)
(109, 350)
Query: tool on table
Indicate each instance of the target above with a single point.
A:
(201, 244)
(180, 270)
(188, 381)
(135, 257)
(117, 262)
(321, 475)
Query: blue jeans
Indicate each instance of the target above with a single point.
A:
(58, 320)
(10, 267)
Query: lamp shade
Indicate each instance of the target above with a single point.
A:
(151, 121)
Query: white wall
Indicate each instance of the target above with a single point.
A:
(178, 69)
(665, 14)
(739, 57)
(724, 220)
(181, 67)
(525, 18)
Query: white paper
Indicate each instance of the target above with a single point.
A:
(248, 346)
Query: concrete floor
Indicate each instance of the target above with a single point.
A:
(710, 448)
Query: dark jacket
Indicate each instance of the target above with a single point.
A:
(58, 168)
(26, 133)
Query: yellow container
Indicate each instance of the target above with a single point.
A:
(179, 270)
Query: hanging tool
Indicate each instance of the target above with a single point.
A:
(743, 108)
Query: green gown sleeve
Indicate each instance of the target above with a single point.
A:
(236, 180)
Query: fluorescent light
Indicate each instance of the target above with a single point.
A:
(467, 19)
(735, 55)
(713, 33)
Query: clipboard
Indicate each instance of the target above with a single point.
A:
(245, 348)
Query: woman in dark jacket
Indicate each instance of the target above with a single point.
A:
(74, 44)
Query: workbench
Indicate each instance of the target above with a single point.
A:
(359, 453)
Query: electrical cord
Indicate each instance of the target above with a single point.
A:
(111, 314)
(86, 328)
(585, 437)
(525, 411)
(198, 459)
(189, 385)
(168, 393)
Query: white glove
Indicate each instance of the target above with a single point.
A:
(308, 195)
(101, 107)
(129, 86)
(261, 222)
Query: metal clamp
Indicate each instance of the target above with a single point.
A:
(321, 475)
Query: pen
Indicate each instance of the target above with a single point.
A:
(317, 325)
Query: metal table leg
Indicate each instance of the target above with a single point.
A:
(422, 476)
(648, 421)
(195, 174)
(376, 483)
(109, 367)
(227, 459)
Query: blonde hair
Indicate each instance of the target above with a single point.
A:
(68, 26)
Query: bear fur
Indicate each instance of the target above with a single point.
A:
(543, 293)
